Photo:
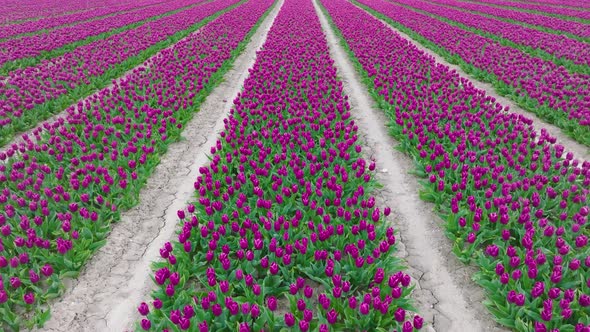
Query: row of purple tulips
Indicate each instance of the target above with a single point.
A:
(579, 29)
(285, 233)
(43, 24)
(68, 180)
(32, 94)
(537, 85)
(542, 8)
(514, 203)
(576, 51)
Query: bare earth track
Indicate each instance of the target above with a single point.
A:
(105, 295)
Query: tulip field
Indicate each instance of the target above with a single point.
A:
(291, 220)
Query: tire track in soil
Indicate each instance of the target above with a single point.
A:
(106, 294)
(580, 151)
(445, 295)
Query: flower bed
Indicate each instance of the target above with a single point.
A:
(543, 8)
(35, 45)
(34, 93)
(285, 232)
(536, 85)
(43, 24)
(65, 184)
(17, 10)
(575, 28)
(571, 52)
(513, 202)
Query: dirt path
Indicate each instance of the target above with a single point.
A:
(106, 294)
(445, 294)
(580, 151)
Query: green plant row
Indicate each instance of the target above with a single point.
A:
(532, 26)
(534, 11)
(515, 317)
(95, 18)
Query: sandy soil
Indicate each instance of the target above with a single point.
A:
(445, 294)
(580, 151)
(106, 294)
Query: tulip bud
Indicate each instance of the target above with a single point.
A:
(289, 319)
(143, 309)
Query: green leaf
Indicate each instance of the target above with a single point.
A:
(69, 274)
(43, 318)
(96, 245)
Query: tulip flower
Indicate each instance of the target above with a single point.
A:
(289, 319)
(143, 309)
(146, 324)
(271, 302)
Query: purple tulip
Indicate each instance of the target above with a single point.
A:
(307, 315)
(554, 293)
(216, 309)
(224, 286)
(418, 322)
(3, 296)
(29, 298)
(143, 309)
(332, 316)
(540, 327)
(33, 277)
(170, 290)
(256, 289)
(175, 316)
(47, 270)
(584, 300)
(289, 319)
(400, 315)
(255, 311)
(271, 303)
(407, 327)
(146, 324)
(188, 311)
(15, 282)
(364, 309)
